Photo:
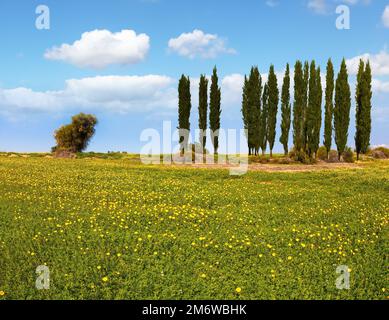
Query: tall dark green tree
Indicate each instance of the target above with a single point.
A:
(305, 105)
(273, 109)
(255, 102)
(286, 110)
(215, 110)
(342, 109)
(264, 119)
(310, 116)
(203, 110)
(298, 106)
(314, 141)
(329, 106)
(368, 94)
(363, 109)
(251, 109)
(184, 108)
(246, 113)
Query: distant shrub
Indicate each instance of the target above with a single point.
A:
(378, 154)
(300, 156)
(384, 150)
(322, 153)
(65, 154)
(348, 155)
(333, 156)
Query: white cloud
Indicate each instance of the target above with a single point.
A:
(100, 48)
(380, 86)
(114, 94)
(120, 94)
(379, 63)
(385, 17)
(318, 6)
(199, 44)
(231, 87)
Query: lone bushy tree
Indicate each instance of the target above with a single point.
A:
(272, 108)
(75, 137)
(329, 107)
(184, 107)
(363, 109)
(285, 110)
(342, 109)
(203, 110)
(215, 110)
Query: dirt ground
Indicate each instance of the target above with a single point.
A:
(269, 167)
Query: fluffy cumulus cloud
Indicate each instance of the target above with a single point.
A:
(100, 48)
(379, 63)
(385, 17)
(231, 86)
(199, 44)
(118, 94)
(152, 94)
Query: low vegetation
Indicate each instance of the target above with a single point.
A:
(118, 229)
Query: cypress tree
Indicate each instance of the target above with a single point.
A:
(215, 110)
(314, 111)
(363, 109)
(310, 116)
(298, 106)
(329, 107)
(305, 105)
(255, 102)
(251, 109)
(264, 118)
(203, 110)
(318, 113)
(342, 109)
(272, 108)
(184, 107)
(286, 110)
(359, 107)
(367, 106)
(246, 113)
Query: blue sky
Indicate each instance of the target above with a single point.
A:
(128, 78)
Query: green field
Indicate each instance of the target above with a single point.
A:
(114, 229)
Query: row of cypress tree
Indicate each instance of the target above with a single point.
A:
(185, 105)
(260, 106)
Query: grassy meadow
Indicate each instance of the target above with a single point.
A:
(116, 229)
